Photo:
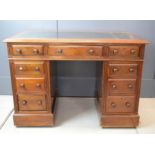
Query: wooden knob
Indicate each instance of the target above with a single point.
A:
(37, 68)
(115, 52)
(39, 102)
(22, 85)
(35, 51)
(113, 105)
(127, 104)
(133, 52)
(38, 85)
(24, 102)
(115, 69)
(19, 51)
(131, 69)
(59, 51)
(113, 86)
(21, 68)
(130, 86)
(91, 51)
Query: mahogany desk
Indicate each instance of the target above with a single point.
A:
(34, 86)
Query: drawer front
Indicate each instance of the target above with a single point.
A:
(121, 87)
(75, 51)
(27, 50)
(30, 85)
(124, 52)
(122, 71)
(120, 104)
(29, 68)
(32, 103)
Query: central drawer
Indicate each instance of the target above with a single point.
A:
(75, 51)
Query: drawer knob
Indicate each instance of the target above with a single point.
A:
(115, 69)
(131, 70)
(127, 104)
(19, 51)
(130, 86)
(22, 85)
(39, 102)
(35, 51)
(21, 68)
(59, 51)
(37, 68)
(38, 85)
(24, 102)
(133, 52)
(113, 105)
(113, 86)
(115, 52)
(91, 51)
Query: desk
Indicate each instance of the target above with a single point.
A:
(119, 76)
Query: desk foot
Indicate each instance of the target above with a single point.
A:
(120, 121)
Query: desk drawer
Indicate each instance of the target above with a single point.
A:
(124, 52)
(30, 85)
(122, 71)
(75, 51)
(27, 50)
(32, 68)
(122, 87)
(32, 103)
(120, 104)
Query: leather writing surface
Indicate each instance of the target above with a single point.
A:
(74, 36)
